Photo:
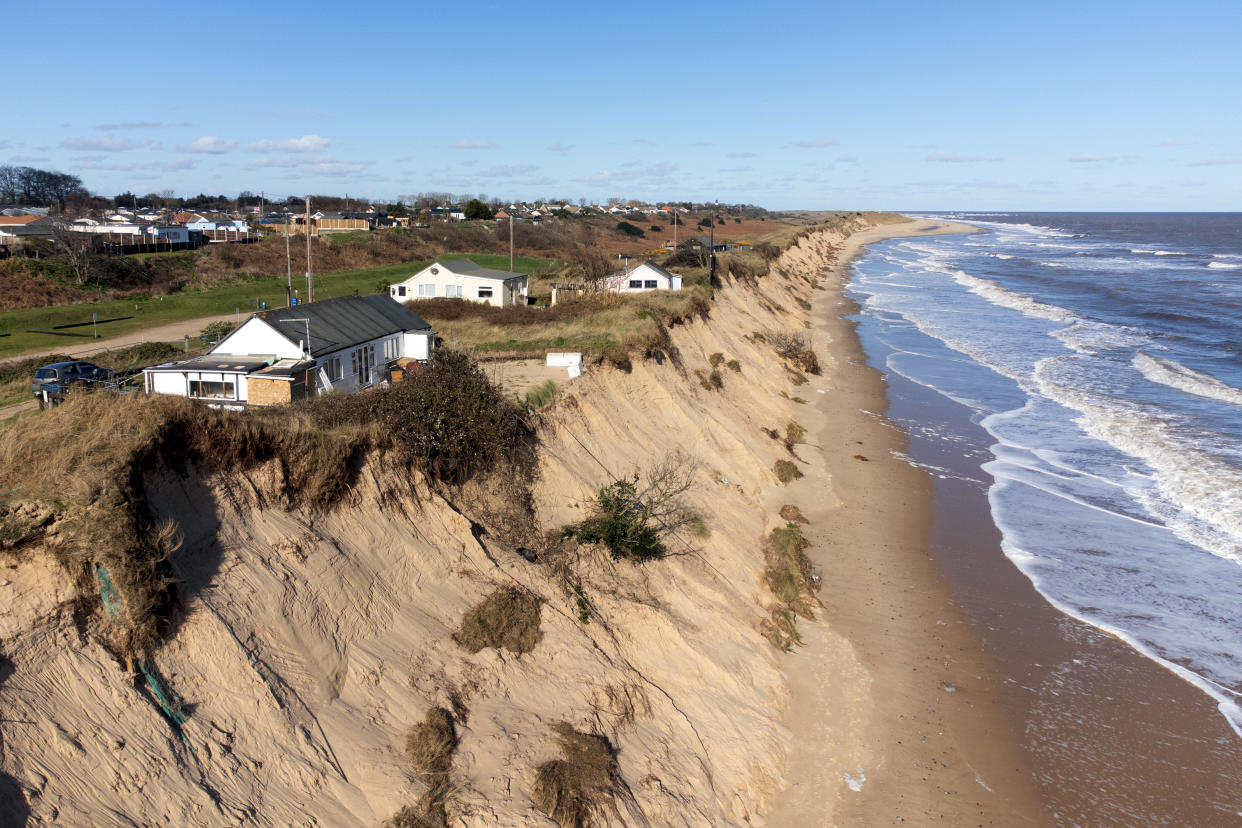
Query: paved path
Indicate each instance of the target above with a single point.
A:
(172, 332)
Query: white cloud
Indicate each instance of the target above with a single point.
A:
(1090, 158)
(307, 143)
(472, 143)
(510, 171)
(322, 165)
(830, 142)
(559, 147)
(103, 143)
(211, 144)
(740, 155)
(135, 125)
(1175, 142)
(175, 164)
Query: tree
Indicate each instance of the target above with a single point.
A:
(79, 250)
(629, 229)
(477, 210)
(37, 188)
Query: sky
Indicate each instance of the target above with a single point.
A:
(1089, 105)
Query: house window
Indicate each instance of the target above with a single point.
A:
(333, 368)
(485, 292)
(650, 283)
(212, 390)
(426, 291)
(452, 291)
(401, 290)
(636, 283)
(390, 349)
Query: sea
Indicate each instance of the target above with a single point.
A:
(1100, 355)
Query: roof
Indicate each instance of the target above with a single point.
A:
(650, 265)
(13, 220)
(226, 363)
(465, 267)
(340, 323)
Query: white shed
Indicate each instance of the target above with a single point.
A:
(647, 276)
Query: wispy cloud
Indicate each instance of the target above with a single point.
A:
(741, 155)
(1092, 158)
(1175, 142)
(103, 143)
(307, 143)
(830, 142)
(211, 145)
(946, 157)
(300, 114)
(559, 147)
(1215, 162)
(737, 169)
(473, 143)
(509, 171)
(847, 159)
(176, 164)
(322, 165)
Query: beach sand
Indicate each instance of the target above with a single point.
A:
(894, 711)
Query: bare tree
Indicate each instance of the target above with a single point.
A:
(79, 250)
(592, 265)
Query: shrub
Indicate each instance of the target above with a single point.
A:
(734, 366)
(507, 619)
(633, 521)
(216, 331)
(795, 347)
(573, 790)
(710, 381)
(655, 228)
(625, 228)
(786, 471)
(541, 394)
(715, 359)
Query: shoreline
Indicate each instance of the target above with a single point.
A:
(893, 702)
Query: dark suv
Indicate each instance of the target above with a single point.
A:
(52, 382)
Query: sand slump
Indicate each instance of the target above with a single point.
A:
(312, 642)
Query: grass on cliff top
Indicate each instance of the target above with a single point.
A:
(600, 325)
(242, 296)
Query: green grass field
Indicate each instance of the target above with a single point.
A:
(242, 297)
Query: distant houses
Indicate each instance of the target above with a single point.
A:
(289, 354)
(463, 279)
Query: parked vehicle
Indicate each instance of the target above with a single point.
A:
(52, 382)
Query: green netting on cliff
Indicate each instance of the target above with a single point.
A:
(107, 593)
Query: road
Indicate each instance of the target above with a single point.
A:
(172, 332)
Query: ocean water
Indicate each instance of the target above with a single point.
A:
(1102, 354)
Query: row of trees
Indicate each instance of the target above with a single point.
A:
(38, 188)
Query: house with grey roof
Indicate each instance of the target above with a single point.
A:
(647, 276)
(463, 279)
(288, 354)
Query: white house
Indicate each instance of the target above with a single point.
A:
(647, 276)
(288, 354)
(463, 279)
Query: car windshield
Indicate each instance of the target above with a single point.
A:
(45, 373)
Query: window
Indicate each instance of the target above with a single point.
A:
(425, 291)
(650, 283)
(485, 292)
(636, 283)
(401, 290)
(332, 367)
(391, 351)
(452, 291)
(213, 390)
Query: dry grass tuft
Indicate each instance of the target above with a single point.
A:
(575, 789)
(792, 579)
(508, 619)
(786, 471)
(793, 434)
(430, 745)
(795, 347)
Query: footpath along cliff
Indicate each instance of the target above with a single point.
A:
(320, 668)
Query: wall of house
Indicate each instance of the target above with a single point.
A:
(417, 344)
(510, 292)
(256, 337)
(621, 282)
(177, 383)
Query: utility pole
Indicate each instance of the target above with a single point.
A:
(510, 242)
(711, 266)
(288, 266)
(310, 283)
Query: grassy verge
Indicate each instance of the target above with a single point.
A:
(243, 296)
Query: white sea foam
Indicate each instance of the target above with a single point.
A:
(1200, 485)
(1090, 337)
(1161, 252)
(1052, 264)
(1175, 375)
(1224, 266)
(998, 295)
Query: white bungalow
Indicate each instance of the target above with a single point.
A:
(647, 276)
(283, 355)
(463, 279)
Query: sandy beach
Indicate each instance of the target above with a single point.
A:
(894, 713)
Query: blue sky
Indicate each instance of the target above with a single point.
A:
(908, 106)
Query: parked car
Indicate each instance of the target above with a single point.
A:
(52, 382)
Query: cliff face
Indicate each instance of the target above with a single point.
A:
(311, 643)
